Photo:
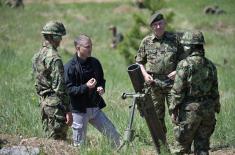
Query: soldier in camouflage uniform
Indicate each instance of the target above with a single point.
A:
(159, 52)
(50, 86)
(195, 98)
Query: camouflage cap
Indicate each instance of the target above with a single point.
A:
(54, 28)
(155, 17)
(192, 38)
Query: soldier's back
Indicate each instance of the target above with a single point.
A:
(201, 75)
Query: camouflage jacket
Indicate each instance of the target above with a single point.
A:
(160, 56)
(49, 73)
(195, 81)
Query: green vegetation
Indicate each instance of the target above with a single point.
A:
(20, 38)
(141, 28)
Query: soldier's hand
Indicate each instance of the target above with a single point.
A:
(91, 83)
(172, 75)
(100, 90)
(69, 118)
(148, 78)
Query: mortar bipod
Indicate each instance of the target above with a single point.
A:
(129, 133)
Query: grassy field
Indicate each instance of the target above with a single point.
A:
(20, 38)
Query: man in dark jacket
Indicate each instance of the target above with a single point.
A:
(85, 82)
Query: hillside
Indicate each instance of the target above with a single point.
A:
(20, 38)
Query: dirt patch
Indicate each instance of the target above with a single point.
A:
(224, 152)
(224, 28)
(55, 147)
(50, 146)
(8, 140)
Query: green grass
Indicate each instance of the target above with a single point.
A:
(20, 38)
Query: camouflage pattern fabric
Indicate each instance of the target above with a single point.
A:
(196, 98)
(159, 98)
(49, 72)
(160, 57)
(53, 120)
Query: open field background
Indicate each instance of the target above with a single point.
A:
(20, 38)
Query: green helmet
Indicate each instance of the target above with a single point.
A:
(54, 28)
(192, 38)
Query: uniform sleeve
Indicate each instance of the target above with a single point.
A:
(141, 57)
(179, 88)
(215, 92)
(58, 83)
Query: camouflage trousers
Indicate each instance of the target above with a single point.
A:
(196, 124)
(53, 120)
(159, 97)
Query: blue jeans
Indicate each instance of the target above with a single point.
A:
(99, 120)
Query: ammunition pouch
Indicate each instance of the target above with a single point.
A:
(51, 99)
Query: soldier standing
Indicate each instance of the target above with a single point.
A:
(195, 98)
(159, 52)
(50, 86)
(86, 84)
